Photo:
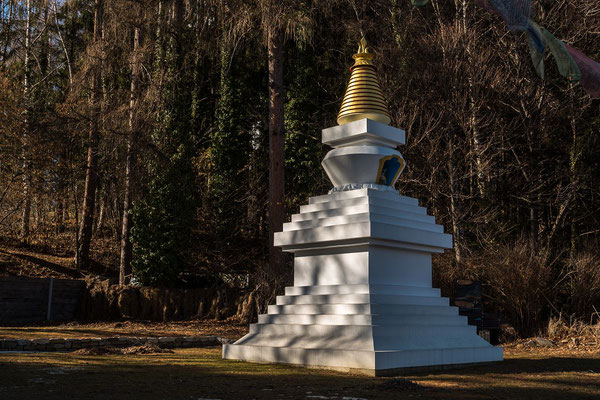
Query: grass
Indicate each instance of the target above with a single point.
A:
(201, 373)
(73, 330)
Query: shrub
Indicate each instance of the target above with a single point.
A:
(575, 330)
(519, 278)
(582, 284)
(446, 272)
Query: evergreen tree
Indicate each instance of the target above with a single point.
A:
(230, 150)
(163, 220)
(303, 148)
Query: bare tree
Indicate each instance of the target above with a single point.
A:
(126, 247)
(82, 256)
(25, 220)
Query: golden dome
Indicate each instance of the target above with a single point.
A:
(363, 98)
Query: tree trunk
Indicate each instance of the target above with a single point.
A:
(25, 220)
(534, 222)
(178, 15)
(574, 155)
(276, 144)
(75, 205)
(91, 175)
(454, 207)
(7, 14)
(480, 177)
(101, 208)
(37, 211)
(126, 248)
(60, 222)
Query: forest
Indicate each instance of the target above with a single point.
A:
(166, 140)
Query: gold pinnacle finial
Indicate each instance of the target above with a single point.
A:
(363, 98)
(362, 56)
(362, 46)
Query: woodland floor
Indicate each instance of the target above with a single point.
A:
(16, 261)
(42, 261)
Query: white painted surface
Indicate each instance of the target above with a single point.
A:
(363, 192)
(360, 208)
(362, 295)
(362, 288)
(359, 148)
(332, 267)
(389, 202)
(399, 267)
(361, 359)
(364, 131)
(374, 265)
(352, 309)
(356, 164)
(342, 220)
(360, 319)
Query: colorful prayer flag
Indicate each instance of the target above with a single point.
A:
(590, 72)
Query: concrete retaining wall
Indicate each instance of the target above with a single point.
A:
(26, 300)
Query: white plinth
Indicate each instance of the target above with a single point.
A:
(364, 132)
(362, 298)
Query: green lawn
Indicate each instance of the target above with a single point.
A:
(202, 374)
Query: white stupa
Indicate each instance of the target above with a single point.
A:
(362, 298)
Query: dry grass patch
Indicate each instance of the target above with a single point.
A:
(150, 348)
(226, 329)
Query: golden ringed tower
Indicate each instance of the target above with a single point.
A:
(363, 97)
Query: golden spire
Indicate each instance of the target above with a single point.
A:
(363, 98)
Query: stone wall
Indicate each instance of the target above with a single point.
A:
(25, 300)
(169, 342)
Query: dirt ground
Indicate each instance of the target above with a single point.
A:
(202, 374)
(16, 261)
(40, 261)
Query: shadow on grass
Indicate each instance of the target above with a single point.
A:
(201, 373)
(534, 366)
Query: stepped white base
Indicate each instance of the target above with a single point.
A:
(362, 299)
(373, 363)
